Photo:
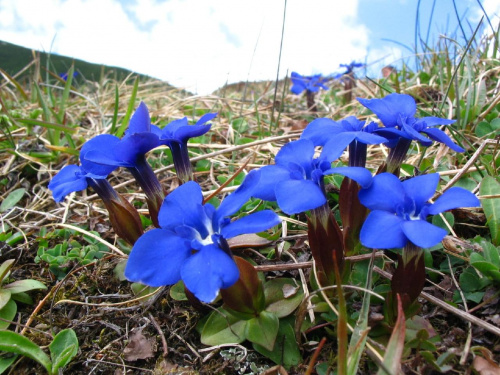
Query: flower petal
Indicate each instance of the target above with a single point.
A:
(334, 148)
(234, 201)
(370, 139)
(132, 146)
(422, 233)
(206, 118)
(191, 131)
(382, 230)
(453, 198)
(207, 271)
(421, 188)
(96, 154)
(253, 223)
(321, 130)
(416, 135)
(299, 152)
(385, 193)
(183, 206)
(168, 132)
(295, 196)
(389, 108)
(68, 180)
(434, 121)
(361, 175)
(440, 136)
(140, 121)
(157, 257)
(271, 175)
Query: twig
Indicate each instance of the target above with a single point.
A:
(160, 332)
(466, 167)
(301, 265)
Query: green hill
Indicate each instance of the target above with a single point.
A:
(14, 58)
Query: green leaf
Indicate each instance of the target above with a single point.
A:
(177, 291)
(23, 298)
(286, 350)
(63, 348)
(119, 270)
(491, 252)
(130, 108)
(438, 221)
(275, 291)
(8, 312)
(5, 267)
(25, 286)
(471, 282)
(6, 362)
(263, 329)
(491, 207)
(360, 333)
(15, 343)
(5, 296)
(223, 328)
(12, 199)
(475, 297)
(394, 351)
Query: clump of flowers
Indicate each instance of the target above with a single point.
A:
(190, 241)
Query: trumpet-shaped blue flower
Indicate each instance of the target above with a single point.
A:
(191, 243)
(345, 132)
(123, 216)
(397, 113)
(104, 153)
(69, 179)
(306, 83)
(176, 135)
(109, 150)
(349, 68)
(399, 210)
(296, 180)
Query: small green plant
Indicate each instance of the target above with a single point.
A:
(63, 255)
(12, 292)
(62, 349)
(487, 263)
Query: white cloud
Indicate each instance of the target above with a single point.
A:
(191, 43)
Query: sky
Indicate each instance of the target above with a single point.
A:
(200, 45)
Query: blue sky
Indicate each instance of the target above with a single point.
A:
(200, 45)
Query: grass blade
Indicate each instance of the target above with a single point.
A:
(130, 108)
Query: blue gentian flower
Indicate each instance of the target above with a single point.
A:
(306, 83)
(104, 153)
(65, 76)
(176, 135)
(399, 210)
(397, 113)
(69, 179)
(349, 131)
(123, 216)
(191, 243)
(296, 180)
(349, 68)
(109, 150)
